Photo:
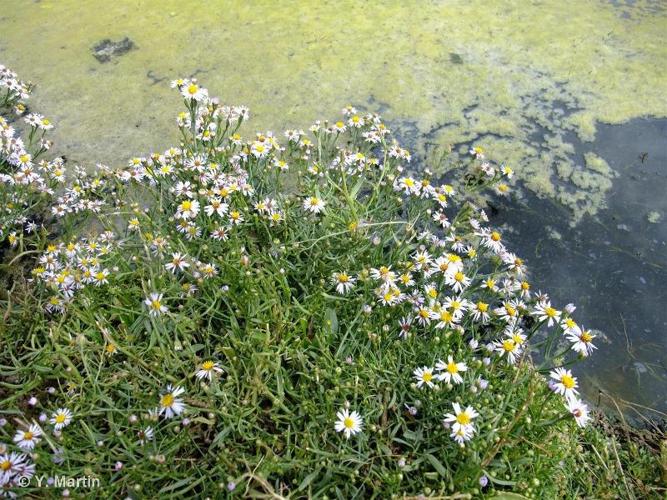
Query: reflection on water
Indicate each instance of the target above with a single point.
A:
(528, 81)
(615, 264)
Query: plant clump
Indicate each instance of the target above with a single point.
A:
(283, 315)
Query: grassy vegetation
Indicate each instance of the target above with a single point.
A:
(203, 321)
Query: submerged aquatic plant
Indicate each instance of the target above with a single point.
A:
(338, 293)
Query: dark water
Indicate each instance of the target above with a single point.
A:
(612, 265)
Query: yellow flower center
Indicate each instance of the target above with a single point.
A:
(167, 400)
(339, 124)
(343, 278)
(463, 418)
(567, 381)
(452, 368)
(509, 345)
(6, 465)
(550, 311)
(28, 436)
(186, 205)
(482, 307)
(60, 418)
(586, 337)
(427, 376)
(459, 276)
(99, 276)
(156, 304)
(495, 236)
(192, 89)
(207, 365)
(348, 423)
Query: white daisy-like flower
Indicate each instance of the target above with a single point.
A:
(422, 259)
(99, 277)
(492, 240)
(207, 369)
(61, 418)
(424, 315)
(405, 324)
(457, 280)
(579, 411)
(314, 204)
(155, 305)
(259, 149)
(461, 419)
(565, 383)
(477, 152)
(145, 435)
(170, 404)
(507, 171)
(509, 348)
(26, 440)
(192, 91)
(480, 312)
(11, 466)
(582, 340)
(545, 312)
(462, 434)
(178, 263)
(235, 217)
(216, 206)
(187, 209)
(424, 375)
(457, 305)
(451, 370)
(384, 274)
(349, 423)
(344, 282)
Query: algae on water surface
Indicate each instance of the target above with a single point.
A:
(516, 78)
